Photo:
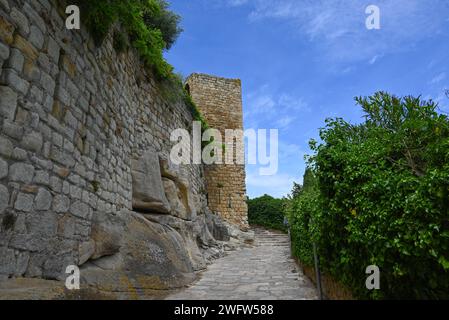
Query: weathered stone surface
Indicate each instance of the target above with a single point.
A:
(198, 242)
(16, 60)
(4, 4)
(6, 147)
(81, 210)
(25, 47)
(33, 141)
(42, 177)
(217, 228)
(86, 250)
(177, 200)
(19, 154)
(53, 49)
(106, 234)
(24, 202)
(148, 191)
(152, 256)
(3, 169)
(4, 51)
(21, 21)
(21, 172)
(13, 80)
(6, 30)
(13, 130)
(43, 200)
(61, 204)
(7, 261)
(36, 37)
(8, 102)
(4, 198)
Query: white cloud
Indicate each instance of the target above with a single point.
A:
(280, 110)
(438, 78)
(236, 3)
(290, 151)
(282, 181)
(284, 122)
(375, 58)
(338, 27)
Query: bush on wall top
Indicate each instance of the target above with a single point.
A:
(150, 27)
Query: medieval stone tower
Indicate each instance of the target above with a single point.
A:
(220, 102)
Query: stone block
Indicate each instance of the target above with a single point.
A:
(4, 51)
(6, 147)
(13, 80)
(7, 261)
(21, 172)
(4, 198)
(43, 200)
(27, 49)
(3, 169)
(81, 210)
(32, 141)
(6, 30)
(21, 21)
(61, 204)
(53, 50)
(19, 154)
(8, 102)
(42, 177)
(36, 37)
(12, 130)
(24, 202)
(16, 60)
(5, 5)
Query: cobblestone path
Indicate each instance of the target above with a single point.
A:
(263, 272)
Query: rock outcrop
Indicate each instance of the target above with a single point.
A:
(148, 189)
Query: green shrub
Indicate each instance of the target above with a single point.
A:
(148, 23)
(302, 211)
(266, 211)
(382, 198)
(151, 28)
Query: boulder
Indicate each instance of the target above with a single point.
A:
(184, 204)
(199, 243)
(151, 257)
(107, 230)
(148, 190)
(178, 199)
(217, 228)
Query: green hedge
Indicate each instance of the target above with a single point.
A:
(266, 211)
(380, 196)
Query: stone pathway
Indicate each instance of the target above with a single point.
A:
(263, 272)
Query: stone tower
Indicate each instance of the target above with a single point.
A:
(220, 102)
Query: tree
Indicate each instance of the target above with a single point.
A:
(267, 211)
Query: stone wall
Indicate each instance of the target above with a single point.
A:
(72, 119)
(220, 102)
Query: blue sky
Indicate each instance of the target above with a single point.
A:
(301, 61)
